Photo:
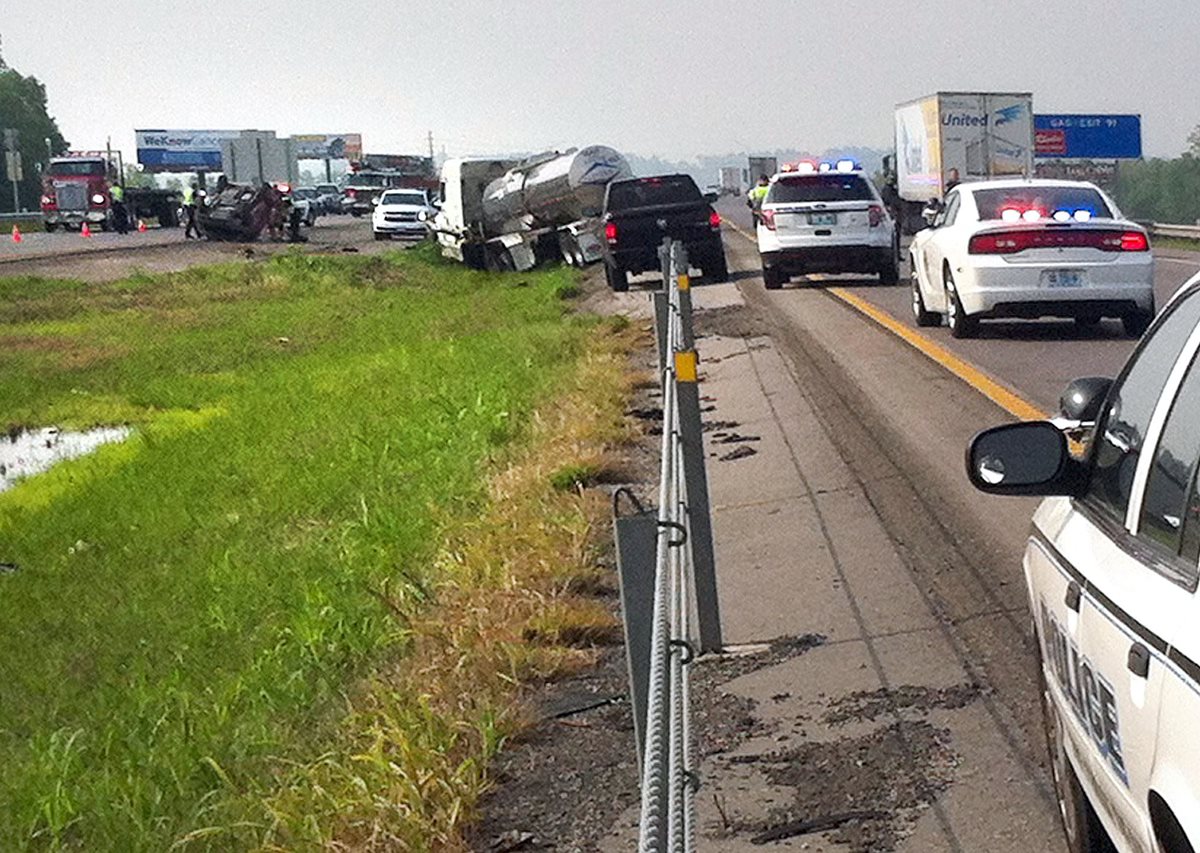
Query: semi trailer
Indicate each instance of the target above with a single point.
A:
(505, 214)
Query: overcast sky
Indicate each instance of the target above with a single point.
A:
(676, 78)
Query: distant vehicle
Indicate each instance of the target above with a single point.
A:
(308, 201)
(729, 180)
(826, 217)
(639, 213)
(330, 198)
(1111, 564)
(239, 212)
(506, 214)
(1031, 249)
(364, 185)
(77, 189)
(402, 213)
(952, 137)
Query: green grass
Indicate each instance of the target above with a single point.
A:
(194, 606)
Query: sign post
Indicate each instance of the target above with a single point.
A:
(12, 165)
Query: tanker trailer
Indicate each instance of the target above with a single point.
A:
(502, 214)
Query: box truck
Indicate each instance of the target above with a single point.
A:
(952, 137)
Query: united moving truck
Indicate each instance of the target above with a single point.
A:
(976, 135)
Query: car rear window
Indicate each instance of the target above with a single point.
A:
(820, 187)
(648, 192)
(1012, 203)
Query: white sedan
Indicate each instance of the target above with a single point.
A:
(1031, 248)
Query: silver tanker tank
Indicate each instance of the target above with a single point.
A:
(552, 189)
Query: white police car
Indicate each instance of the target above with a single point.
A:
(826, 217)
(1112, 566)
(1031, 248)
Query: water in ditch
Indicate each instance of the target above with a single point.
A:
(24, 453)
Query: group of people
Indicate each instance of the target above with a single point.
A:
(122, 219)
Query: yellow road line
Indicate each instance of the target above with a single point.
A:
(993, 389)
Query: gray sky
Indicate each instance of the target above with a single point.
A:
(676, 78)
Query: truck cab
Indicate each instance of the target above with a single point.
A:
(457, 223)
(74, 191)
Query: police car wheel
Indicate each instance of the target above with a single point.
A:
(961, 324)
(1081, 825)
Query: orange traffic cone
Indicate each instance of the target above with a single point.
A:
(85, 231)
(141, 226)
(17, 238)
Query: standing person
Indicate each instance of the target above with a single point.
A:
(189, 210)
(116, 194)
(754, 198)
(952, 179)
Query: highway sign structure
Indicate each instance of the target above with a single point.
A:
(1090, 137)
(182, 150)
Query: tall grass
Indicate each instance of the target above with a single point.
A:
(197, 611)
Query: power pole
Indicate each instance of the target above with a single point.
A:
(431, 146)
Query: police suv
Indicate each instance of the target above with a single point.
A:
(825, 217)
(1112, 565)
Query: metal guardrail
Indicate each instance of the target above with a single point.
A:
(668, 581)
(20, 217)
(1162, 229)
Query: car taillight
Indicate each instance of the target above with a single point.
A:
(47, 199)
(1134, 241)
(768, 219)
(714, 220)
(610, 232)
(351, 193)
(875, 215)
(1012, 242)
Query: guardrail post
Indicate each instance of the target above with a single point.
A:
(708, 611)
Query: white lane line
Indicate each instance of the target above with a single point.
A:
(1180, 261)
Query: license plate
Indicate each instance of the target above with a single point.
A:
(1063, 278)
(822, 219)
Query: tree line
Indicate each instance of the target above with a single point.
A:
(1161, 190)
(23, 109)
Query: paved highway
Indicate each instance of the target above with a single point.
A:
(1035, 358)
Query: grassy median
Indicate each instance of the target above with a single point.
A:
(292, 610)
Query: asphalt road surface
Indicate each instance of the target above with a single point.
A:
(1035, 358)
(108, 256)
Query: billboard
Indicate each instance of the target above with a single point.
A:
(409, 164)
(181, 150)
(1092, 137)
(329, 146)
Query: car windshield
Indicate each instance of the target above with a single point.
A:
(304, 192)
(327, 189)
(820, 187)
(62, 168)
(648, 192)
(1046, 202)
(415, 199)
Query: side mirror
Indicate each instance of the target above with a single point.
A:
(375, 202)
(711, 197)
(1023, 459)
(1082, 399)
(931, 211)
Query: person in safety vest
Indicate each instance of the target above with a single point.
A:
(754, 198)
(189, 210)
(116, 194)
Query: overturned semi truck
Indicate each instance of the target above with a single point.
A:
(511, 214)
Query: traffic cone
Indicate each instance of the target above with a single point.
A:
(85, 231)
(141, 226)
(17, 238)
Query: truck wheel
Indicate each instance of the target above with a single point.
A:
(618, 279)
(357, 214)
(773, 278)
(380, 235)
(718, 270)
(51, 227)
